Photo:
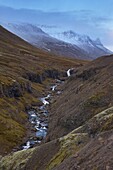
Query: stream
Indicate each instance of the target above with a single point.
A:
(69, 72)
(39, 117)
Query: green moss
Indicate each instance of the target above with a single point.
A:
(69, 145)
(101, 122)
(16, 161)
(95, 100)
(11, 133)
(11, 129)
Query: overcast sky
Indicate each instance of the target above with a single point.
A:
(100, 6)
(93, 17)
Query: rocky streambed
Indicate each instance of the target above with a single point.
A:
(39, 117)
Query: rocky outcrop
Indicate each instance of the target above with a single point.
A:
(54, 74)
(39, 78)
(33, 77)
(14, 89)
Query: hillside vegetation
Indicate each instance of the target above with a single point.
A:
(80, 135)
(25, 72)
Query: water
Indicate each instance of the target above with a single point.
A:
(53, 87)
(69, 72)
(39, 119)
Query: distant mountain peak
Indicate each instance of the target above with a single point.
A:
(98, 42)
(75, 36)
(23, 27)
(61, 42)
(69, 32)
(94, 48)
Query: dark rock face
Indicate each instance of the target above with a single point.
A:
(34, 77)
(54, 74)
(39, 78)
(14, 90)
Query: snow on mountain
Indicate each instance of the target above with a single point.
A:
(53, 39)
(37, 37)
(27, 31)
(93, 47)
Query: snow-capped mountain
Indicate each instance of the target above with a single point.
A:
(37, 37)
(93, 47)
(57, 24)
(67, 43)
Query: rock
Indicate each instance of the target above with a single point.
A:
(15, 89)
(33, 77)
(52, 74)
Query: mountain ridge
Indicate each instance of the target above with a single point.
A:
(66, 43)
(94, 48)
(37, 37)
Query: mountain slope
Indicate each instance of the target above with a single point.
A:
(82, 119)
(67, 43)
(57, 24)
(25, 71)
(93, 48)
(42, 40)
(81, 116)
(85, 94)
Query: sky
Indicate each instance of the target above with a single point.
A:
(93, 17)
(100, 6)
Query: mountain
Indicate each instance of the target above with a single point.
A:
(60, 29)
(67, 43)
(25, 72)
(42, 40)
(81, 114)
(93, 48)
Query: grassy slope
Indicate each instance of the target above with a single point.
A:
(77, 149)
(17, 58)
(87, 93)
(88, 146)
